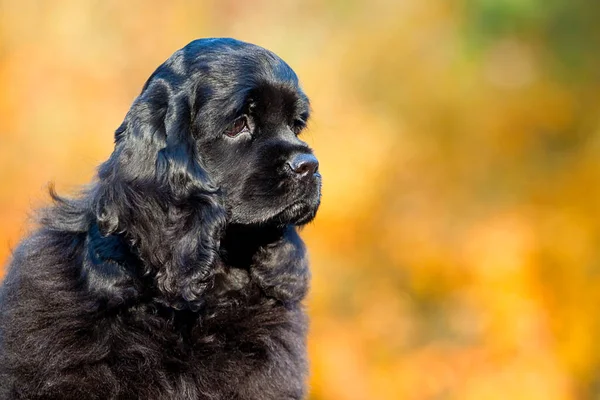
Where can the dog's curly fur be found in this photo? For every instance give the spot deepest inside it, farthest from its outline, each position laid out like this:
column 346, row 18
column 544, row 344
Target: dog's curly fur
column 179, row 273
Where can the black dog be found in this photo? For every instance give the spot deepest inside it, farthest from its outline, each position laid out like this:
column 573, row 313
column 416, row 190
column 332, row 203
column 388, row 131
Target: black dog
column 179, row 274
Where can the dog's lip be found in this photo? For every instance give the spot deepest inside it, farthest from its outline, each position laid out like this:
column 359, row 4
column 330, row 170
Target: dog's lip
column 298, row 212
column 297, row 206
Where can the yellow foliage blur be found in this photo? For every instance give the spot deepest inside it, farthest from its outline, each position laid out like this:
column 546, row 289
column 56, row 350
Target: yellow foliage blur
column 457, row 251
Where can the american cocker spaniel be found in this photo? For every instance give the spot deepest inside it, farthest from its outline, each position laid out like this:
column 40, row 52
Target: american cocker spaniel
column 179, row 273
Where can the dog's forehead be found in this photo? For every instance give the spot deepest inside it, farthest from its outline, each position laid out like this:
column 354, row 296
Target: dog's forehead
column 225, row 60
column 227, row 75
column 234, row 73
column 279, row 98
column 224, row 56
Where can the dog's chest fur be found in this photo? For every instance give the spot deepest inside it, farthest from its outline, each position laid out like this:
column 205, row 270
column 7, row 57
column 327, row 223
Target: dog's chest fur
column 240, row 345
column 230, row 351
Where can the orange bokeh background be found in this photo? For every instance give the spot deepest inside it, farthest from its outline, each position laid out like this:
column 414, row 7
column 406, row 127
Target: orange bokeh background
column 457, row 251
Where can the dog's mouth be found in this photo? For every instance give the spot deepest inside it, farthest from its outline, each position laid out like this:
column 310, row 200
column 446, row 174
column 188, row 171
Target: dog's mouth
column 303, row 209
column 295, row 204
column 298, row 213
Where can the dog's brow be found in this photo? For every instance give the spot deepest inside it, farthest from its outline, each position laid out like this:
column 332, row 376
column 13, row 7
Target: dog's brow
column 304, row 116
column 302, row 107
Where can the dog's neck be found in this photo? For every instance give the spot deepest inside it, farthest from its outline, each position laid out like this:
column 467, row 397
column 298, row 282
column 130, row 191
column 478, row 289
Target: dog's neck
column 238, row 240
column 111, row 262
column 241, row 242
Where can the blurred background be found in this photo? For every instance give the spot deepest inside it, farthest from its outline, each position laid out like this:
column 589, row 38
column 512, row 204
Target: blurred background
column 457, row 251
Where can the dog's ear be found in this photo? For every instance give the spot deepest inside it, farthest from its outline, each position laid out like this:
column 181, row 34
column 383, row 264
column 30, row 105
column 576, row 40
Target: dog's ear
column 155, row 191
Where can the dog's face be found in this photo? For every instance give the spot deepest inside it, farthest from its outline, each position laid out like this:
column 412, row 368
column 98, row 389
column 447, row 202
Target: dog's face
column 267, row 174
column 247, row 131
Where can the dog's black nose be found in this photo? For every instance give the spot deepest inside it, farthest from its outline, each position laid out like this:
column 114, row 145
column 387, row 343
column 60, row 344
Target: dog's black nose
column 304, row 165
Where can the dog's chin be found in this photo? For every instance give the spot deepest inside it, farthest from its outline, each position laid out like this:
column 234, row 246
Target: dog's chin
column 299, row 213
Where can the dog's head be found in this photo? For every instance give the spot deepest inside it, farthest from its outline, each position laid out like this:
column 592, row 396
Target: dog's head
column 212, row 140
column 226, row 116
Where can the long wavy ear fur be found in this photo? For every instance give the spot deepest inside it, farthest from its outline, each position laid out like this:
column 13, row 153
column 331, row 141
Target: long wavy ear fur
column 155, row 192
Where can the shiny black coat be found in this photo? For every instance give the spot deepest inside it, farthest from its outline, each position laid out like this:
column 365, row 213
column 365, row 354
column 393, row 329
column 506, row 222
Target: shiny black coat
column 179, row 273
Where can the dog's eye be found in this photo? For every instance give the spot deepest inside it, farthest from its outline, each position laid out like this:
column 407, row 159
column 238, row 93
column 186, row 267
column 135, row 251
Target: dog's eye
column 298, row 125
column 240, row 125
